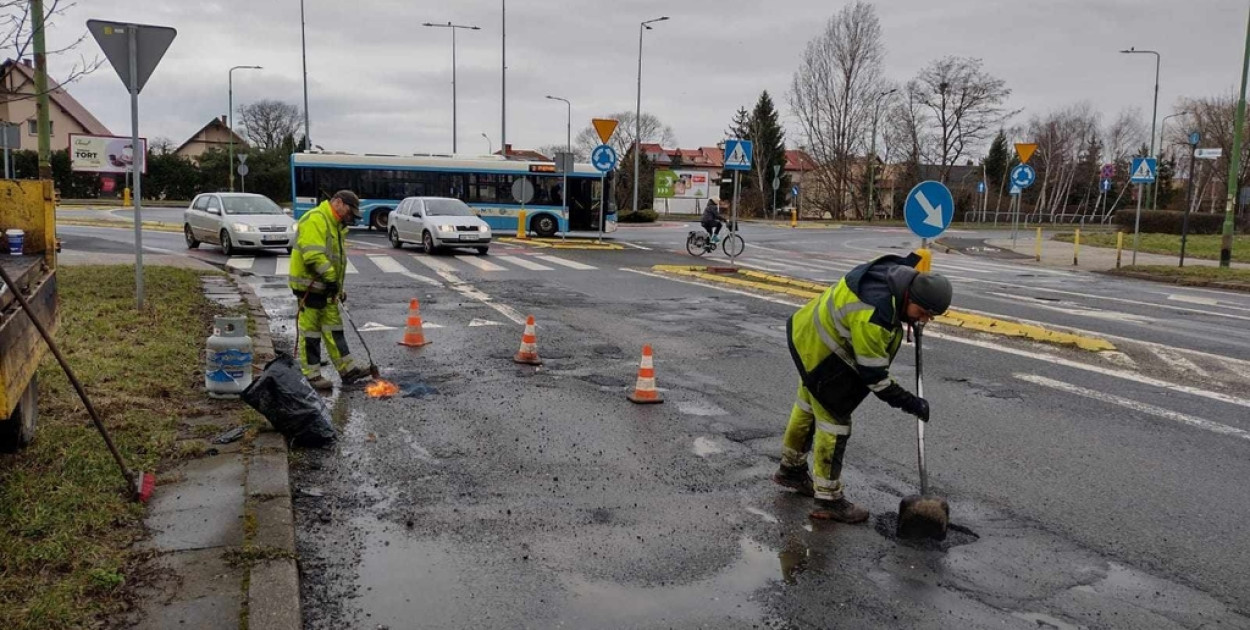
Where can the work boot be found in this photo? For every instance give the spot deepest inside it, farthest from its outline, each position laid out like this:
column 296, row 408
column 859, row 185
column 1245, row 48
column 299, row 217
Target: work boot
column 353, row 374
column 841, row 510
column 795, row 478
column 321, row 383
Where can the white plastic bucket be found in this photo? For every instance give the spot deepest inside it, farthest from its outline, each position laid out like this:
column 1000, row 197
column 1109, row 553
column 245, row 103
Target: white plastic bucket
column 17, row 240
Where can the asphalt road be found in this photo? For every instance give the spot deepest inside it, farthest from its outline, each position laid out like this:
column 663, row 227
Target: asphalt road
column 1090, row 490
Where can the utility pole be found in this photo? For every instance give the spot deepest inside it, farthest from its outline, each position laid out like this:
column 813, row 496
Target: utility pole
column 503, row 79
column 41, row 89
column 303, row 49
column 1189, row 191
column 230, row 119
column 1154, row 112
column 454, row 28
column 1234, row 164
column 638, row 110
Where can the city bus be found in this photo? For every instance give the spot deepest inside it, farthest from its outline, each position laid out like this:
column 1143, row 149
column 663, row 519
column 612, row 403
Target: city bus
column 484, row 183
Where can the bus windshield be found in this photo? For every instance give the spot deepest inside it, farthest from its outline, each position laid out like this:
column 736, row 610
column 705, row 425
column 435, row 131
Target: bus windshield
column 447, row 208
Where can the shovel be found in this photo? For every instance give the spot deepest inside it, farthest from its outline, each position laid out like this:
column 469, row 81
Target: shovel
column 922, row 515
column 373, row 368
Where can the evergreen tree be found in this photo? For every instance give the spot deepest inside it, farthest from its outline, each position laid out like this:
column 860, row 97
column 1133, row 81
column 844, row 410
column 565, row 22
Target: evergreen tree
column 739, row 128
column 769, row 151
column 1085, row 186
column 997, row 160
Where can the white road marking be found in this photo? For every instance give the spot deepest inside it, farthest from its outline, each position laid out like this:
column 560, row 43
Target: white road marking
column 1179, row 362
column 521, row 262
column 1128, row 376
column 436, row 265
column 483, row 322
column 1181, row 309
column 480, row 263
column 634, row 245
column 446, row 272
column 1194, row 421
column 1085, row 311
column 350, row 267
column 282, row 267
column 1193, row 299
column 390, row 265
column 240, row 263
column 572, row 264
column 374, row 327
column 365, row 244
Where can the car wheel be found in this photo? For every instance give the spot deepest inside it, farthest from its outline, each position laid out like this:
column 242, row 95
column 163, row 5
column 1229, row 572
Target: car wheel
column 482, row 251
column 380, row 219
column 289, row 250
column 395, row 242
column 190, row 236
column 427, row 243
column 545, row 225
column 227, row 247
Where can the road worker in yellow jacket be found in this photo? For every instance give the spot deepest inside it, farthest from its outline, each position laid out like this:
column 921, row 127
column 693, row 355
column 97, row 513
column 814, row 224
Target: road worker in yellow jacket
column 318, row 268
column 842, row 343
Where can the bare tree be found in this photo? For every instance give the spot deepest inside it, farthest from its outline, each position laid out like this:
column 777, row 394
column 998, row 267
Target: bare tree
column 965, row 104
column 832, row 95
column 161, row 145
column 1061, row 138
column 17, row 36
column 909, row 141
column 1121, row 138
column 269, row 123
column 653, row 130
column 1213, row 118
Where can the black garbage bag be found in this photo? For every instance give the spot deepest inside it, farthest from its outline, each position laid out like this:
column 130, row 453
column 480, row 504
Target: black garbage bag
column 289, row 402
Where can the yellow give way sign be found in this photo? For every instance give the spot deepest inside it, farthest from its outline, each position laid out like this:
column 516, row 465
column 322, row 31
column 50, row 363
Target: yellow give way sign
column 1025, row 151
column 604, row 127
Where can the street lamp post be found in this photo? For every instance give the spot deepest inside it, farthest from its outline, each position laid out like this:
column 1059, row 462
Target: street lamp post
column 568, row 130
column 872, row 153
column 230, row 118
column 490, row 148
column 1163, row 137
column 638, row 109
column 303, row 51
column 1153, row 114
column 454, row 28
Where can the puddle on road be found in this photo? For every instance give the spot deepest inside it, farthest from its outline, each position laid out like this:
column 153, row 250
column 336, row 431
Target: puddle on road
column 956, row 535
column 402, row 579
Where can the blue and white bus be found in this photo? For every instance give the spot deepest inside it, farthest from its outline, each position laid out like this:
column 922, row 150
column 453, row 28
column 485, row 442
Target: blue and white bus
column 484, row 183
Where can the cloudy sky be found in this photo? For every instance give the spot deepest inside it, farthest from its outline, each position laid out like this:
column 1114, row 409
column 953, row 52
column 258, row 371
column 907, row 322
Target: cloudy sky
column 379, row 82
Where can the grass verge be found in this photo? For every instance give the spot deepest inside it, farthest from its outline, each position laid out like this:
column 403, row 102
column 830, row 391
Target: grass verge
column 1192, row 275
column 66, row 525
column 1197, row 245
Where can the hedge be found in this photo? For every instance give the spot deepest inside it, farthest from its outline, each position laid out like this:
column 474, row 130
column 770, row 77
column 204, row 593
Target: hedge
column 642, row 216
column 1170, row 221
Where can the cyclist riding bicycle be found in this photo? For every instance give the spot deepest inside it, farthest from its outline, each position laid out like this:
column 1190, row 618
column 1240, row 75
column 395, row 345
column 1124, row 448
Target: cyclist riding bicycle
column 713, row 219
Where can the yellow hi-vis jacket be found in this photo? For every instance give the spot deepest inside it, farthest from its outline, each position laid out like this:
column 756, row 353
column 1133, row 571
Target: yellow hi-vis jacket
column 843, row 341
column 318, row 257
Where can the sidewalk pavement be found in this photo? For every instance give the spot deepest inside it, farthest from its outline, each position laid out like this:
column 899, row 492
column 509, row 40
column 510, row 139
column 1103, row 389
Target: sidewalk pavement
column 1059, row 254
column 222, row 527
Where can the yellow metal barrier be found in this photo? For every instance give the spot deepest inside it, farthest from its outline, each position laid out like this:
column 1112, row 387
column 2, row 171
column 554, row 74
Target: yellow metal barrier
column 1076, row 248
column 1037, row 249
column 1119, row 247
column 522, row 232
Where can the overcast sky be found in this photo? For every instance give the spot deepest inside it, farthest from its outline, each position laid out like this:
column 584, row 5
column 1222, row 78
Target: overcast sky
column 381, row 83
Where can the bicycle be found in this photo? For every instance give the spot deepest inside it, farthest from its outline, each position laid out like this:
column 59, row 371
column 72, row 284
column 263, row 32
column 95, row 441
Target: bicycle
column 699, row 243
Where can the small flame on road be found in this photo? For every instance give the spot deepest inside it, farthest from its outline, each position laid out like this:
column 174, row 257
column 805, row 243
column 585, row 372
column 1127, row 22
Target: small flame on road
column 381, row 389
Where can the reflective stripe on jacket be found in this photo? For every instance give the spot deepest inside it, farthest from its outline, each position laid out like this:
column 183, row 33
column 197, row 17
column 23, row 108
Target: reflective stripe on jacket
column 318, row 257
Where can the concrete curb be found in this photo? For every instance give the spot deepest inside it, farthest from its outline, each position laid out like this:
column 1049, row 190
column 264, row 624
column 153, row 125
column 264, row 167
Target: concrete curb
column 1181, row 281
column 273, row 588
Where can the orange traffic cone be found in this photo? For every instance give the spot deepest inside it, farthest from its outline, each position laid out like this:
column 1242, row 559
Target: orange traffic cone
column 528, row 354
column 413, row 335
column 644, row 390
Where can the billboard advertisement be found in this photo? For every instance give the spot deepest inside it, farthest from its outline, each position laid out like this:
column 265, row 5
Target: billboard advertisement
column 681, row 184
column 103, row 154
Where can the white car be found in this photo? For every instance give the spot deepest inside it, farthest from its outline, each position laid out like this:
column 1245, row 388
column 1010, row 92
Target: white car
column 237, row 221
column 437, row 222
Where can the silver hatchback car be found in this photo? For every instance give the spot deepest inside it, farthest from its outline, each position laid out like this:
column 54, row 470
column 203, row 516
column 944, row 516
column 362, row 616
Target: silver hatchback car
column 237, row 221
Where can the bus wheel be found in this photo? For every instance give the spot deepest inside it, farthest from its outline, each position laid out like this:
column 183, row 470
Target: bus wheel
column 380, row 219
column 545, row 225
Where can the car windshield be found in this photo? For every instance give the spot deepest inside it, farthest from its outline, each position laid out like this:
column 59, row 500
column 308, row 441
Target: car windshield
column 447, row 208
column 250, row 205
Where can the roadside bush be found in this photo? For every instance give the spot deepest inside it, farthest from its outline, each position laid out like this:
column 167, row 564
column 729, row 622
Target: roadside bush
column 1169, row 221
column 645, row 215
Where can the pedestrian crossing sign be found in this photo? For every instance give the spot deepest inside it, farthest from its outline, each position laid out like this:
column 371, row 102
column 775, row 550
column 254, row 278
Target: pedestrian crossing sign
column 738, row 155
column 1143, row 171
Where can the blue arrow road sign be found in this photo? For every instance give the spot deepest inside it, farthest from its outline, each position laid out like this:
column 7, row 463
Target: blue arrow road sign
column 1143, row 171
column 794, row 191
column 1106, row 185
column 980, row 188
column 738, row 155
column 603, row 158
column 929, row 209
column 1023, row 176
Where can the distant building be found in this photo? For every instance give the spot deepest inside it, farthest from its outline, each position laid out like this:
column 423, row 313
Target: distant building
column 522, row 155
column 65, row 114
column 215, row 135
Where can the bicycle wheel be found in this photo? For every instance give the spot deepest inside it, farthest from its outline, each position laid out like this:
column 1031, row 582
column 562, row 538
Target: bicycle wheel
column 733, row 245
column 695, row 244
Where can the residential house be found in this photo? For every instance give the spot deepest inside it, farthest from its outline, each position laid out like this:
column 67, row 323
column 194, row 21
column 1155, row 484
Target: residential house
column 65, row 114
column 214, row 135
column 522, row 155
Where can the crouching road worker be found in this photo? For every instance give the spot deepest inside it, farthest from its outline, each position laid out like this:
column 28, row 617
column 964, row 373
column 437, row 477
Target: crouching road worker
column 842, row 344
column 318, row 266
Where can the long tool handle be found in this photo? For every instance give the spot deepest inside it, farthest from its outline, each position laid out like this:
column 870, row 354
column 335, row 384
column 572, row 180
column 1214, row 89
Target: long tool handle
column 131, row 479
column 352, row 323
column 918, row 330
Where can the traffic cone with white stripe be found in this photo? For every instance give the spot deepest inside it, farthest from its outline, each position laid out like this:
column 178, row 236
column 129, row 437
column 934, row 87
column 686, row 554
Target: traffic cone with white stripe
column 528, row 354
column 645, row 392
column 414, row 337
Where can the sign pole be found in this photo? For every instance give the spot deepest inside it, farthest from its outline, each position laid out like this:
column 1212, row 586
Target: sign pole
column 1189, row 190
column 5, row 129
column 603, row 202
column 1137, row 224
column 733, row 221
column 1015, row 218
column 133, row 34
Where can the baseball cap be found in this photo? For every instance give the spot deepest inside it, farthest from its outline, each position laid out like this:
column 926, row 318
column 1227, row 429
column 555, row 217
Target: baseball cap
column 348, row 197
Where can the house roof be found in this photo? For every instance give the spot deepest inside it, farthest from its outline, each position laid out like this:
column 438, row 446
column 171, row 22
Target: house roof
column 799, row 160
column 959, row 175
column 216, row 123
column 58, row 96
column 525, row 155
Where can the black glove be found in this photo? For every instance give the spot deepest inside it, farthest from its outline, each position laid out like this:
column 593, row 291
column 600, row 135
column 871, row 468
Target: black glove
column 899, row 398
column 332, row 290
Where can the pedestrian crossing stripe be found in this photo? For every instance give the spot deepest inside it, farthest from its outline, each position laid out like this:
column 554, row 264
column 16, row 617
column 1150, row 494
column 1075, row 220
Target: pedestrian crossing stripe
column 572, row 264
column 521, row 262
column 480, row 263
column 374, row 326
column 241, row 263
column 283, row 266
column 386, row 264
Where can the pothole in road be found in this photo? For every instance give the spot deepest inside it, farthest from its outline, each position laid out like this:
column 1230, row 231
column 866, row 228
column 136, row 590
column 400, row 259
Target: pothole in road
column 986, row 388
column 956, row 535
column 603, row 380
